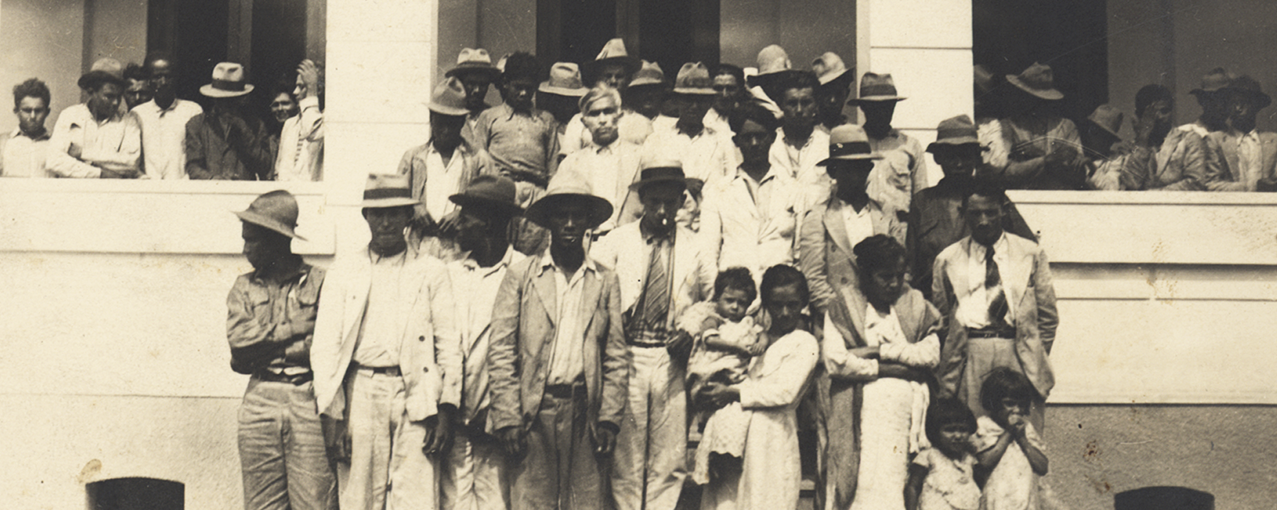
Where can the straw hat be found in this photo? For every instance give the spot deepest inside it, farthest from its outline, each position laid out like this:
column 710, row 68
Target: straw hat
column 693, row 79
column 276, row 210
column 1214, row 81
column 876, row 87
column 773, row 64
column 830, row 67
column 565, row 80
column 105, row 70
column 648, row 75
column 849, row 142
column 1107, row 118
column 228, row 81
column 449, row 98
column 474, row 61
column 613, row 52
column 568, row 186
column 387, row 190
column 1037, row 80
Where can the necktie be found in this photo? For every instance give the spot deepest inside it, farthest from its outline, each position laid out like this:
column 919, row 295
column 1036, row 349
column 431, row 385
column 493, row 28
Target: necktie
column 993, row 285
column 656, row 291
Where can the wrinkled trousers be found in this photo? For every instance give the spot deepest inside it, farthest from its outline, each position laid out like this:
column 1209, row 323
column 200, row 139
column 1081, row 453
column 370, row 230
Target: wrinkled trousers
column 281, row 449
column 559, row 470
column 651, row 449
column 387, row 469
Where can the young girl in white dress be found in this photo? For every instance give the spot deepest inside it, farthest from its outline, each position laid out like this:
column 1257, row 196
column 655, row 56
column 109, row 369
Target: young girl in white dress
column 942, row 477
column 1008, row 448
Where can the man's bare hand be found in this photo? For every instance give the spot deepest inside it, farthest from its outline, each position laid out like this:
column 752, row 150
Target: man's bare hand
column 512, row 441
column 438, row 433
column 308, row 73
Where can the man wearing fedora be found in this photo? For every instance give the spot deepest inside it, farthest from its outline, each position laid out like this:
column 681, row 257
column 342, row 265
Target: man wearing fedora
column 387, row 362
column 830, row 229
column 475, row 71
column 224, row 143
column 613, row 68
column 441, row 168
column 1213, row 99
column 163, row 120
column 560, row 95
column 1044, row 150
column 1162, row 158
column 751, row 217
column 95, row 139
column 301, row 140
column 609, row 163
column 558, row 363
column 270, row 326
column 1103, row 148
column 662, row 272
column 935, row 213
column 23, row 150
column 901, row 170
column 642, row 101
column 835, row 85
column 1242, row 158
column 773, row 64
column 475, row 477
column 799, row 146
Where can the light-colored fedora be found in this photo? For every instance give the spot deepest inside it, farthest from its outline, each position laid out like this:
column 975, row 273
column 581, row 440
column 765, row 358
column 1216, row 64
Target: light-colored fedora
column 849, row 142
column 830, row 67
column 565, row 80
column 1038, row 80
column 693, row 79
column 474, row 61
column 388, row 190
column 449, row 98
column 228, row 81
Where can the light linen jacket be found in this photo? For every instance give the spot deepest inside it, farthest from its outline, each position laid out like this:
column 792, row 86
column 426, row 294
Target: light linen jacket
column 738, row 232
column 429, row 352
column 825, row 250
column 1223, row 167
column 1029, row 290
column 524, row 319
column 625, row 252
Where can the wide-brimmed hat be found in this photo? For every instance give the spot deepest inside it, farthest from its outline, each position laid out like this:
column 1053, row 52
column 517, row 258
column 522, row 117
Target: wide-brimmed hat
column 1247, row 86
column 1107, row 118
column 613, row 52
column 849, row 142
column 693, row 79
column 1213, row 81
column 388, row 190
column 228, row 81
column 489, row 192
column 104, row 70
column 773, row 65
column 829, row 68
column 449, row 98
column 474, row 61
column 569, row 186
column 955, row 131
column 660, row 170
column 276, row 210
column 1037, row 80
column 649, row 75
column 876, row 87
column 565, row 80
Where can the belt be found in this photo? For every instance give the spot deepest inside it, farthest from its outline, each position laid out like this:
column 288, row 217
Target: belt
column 392, row 371
column 991, row 333
column 647, row 338
column 298, row 379
column 565, row 390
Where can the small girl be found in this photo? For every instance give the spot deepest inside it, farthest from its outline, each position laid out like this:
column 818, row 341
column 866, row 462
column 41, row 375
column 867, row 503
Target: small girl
column 1009, row 449
column 725, row 340
column 942, row 477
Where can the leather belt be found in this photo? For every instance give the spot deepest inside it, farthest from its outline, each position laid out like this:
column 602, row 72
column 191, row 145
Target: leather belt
column 391, row 371
column 991, row 333
column 651, row 339
column 298, row 379
column 565, row 391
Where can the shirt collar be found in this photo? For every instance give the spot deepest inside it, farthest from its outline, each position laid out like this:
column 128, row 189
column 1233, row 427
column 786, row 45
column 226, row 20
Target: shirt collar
column 17, row 132
column 772, row 173
column 547, row 262
column 472, row 265
column 509, row 112
column 977, row 250
column 396, row 259
column 300, row 269
column 649, row 236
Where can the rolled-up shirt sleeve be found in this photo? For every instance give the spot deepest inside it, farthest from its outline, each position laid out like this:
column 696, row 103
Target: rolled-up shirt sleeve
column 840, row 362
column 923, row 354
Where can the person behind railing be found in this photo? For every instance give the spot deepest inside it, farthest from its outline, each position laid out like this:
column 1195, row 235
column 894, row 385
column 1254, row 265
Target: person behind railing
column 224, row 143
column 1043, row 149
column 1213, row 99
column 22, row 151
column 301, row 141
column 139, row 89
column 1242, row 158
column 1103, row 148
column 95, row 139
column 1162, row 158
column 164, row 120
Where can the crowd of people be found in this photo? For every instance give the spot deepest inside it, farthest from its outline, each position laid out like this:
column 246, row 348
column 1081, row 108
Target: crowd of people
column 564, row 293
column 132, row 125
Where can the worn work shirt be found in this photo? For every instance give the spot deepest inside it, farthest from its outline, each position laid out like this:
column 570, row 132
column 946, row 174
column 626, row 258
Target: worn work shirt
column 474, row 320
column 378, row 344
column 301, row 144
column 215, row 151
column 524, row 144
column 800, row 157
column 22, row 155
column 567, row 358
column 753, row 223
column 81, row 145
column 270, row 323
column 900, row 173
column 164, row 137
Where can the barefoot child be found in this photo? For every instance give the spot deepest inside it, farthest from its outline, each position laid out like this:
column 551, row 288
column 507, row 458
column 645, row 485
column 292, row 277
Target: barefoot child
column 941, row 477
column 1009, row 448
column 725, row 340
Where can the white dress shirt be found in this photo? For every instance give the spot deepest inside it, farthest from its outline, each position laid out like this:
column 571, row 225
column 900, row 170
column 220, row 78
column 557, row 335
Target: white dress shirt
column 442, row 181
column 81, row 145
column 378, row 343
column 23, row 156
column 567, row 359
column 164, row 137
column 973, row 311
column 301, row 144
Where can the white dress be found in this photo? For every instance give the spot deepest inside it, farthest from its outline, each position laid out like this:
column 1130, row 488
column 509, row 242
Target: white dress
column 1012, row 485
column 950, row 483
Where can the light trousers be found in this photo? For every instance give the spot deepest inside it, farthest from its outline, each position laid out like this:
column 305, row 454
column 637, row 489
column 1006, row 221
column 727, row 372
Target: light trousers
column 651, row 450
column 475, row 477
column 388, row 469
column 281, row 449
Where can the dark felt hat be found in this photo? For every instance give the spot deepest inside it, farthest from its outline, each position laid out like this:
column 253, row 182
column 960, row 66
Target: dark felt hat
column 658, row 170
column 489, row 192
column 276, row 210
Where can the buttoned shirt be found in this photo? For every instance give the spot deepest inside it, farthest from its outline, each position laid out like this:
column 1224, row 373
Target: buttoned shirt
column 752, row 223
column 22, row 155
column 378, row 343
column 442, row 181
column 1249, row 159
column 472, row 120
column 164, row 137
column 474, row 318
column 800, row 157
column 973, row 312
column 81, row 146
column 301, row 144
column 717, row 122
column 707, row 156
column 896, row 177
column 567, row 359
column 520, row 143
column 270, row 321
column 859, row 224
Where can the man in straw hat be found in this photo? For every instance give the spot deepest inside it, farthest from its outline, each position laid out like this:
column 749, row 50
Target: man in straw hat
column 902, row 169
column 270, row 326
column 616, row 70
column 613, row 66
column 224, row 143
column 95, row 139
column 475, row 71
column 1162, row 158
column 608, row 162
column 558, row 361
column 387, row 362
column 750, row 218
column 560, row 95
column 799, row 146
column 662, row 273
column 705, row 154
column 1213, row 99
column 1242, row 158
column 830, row 229
column 441, row 167
column 935, row 216
column 1044, row 150
column 475, row 477
column 835, row 85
